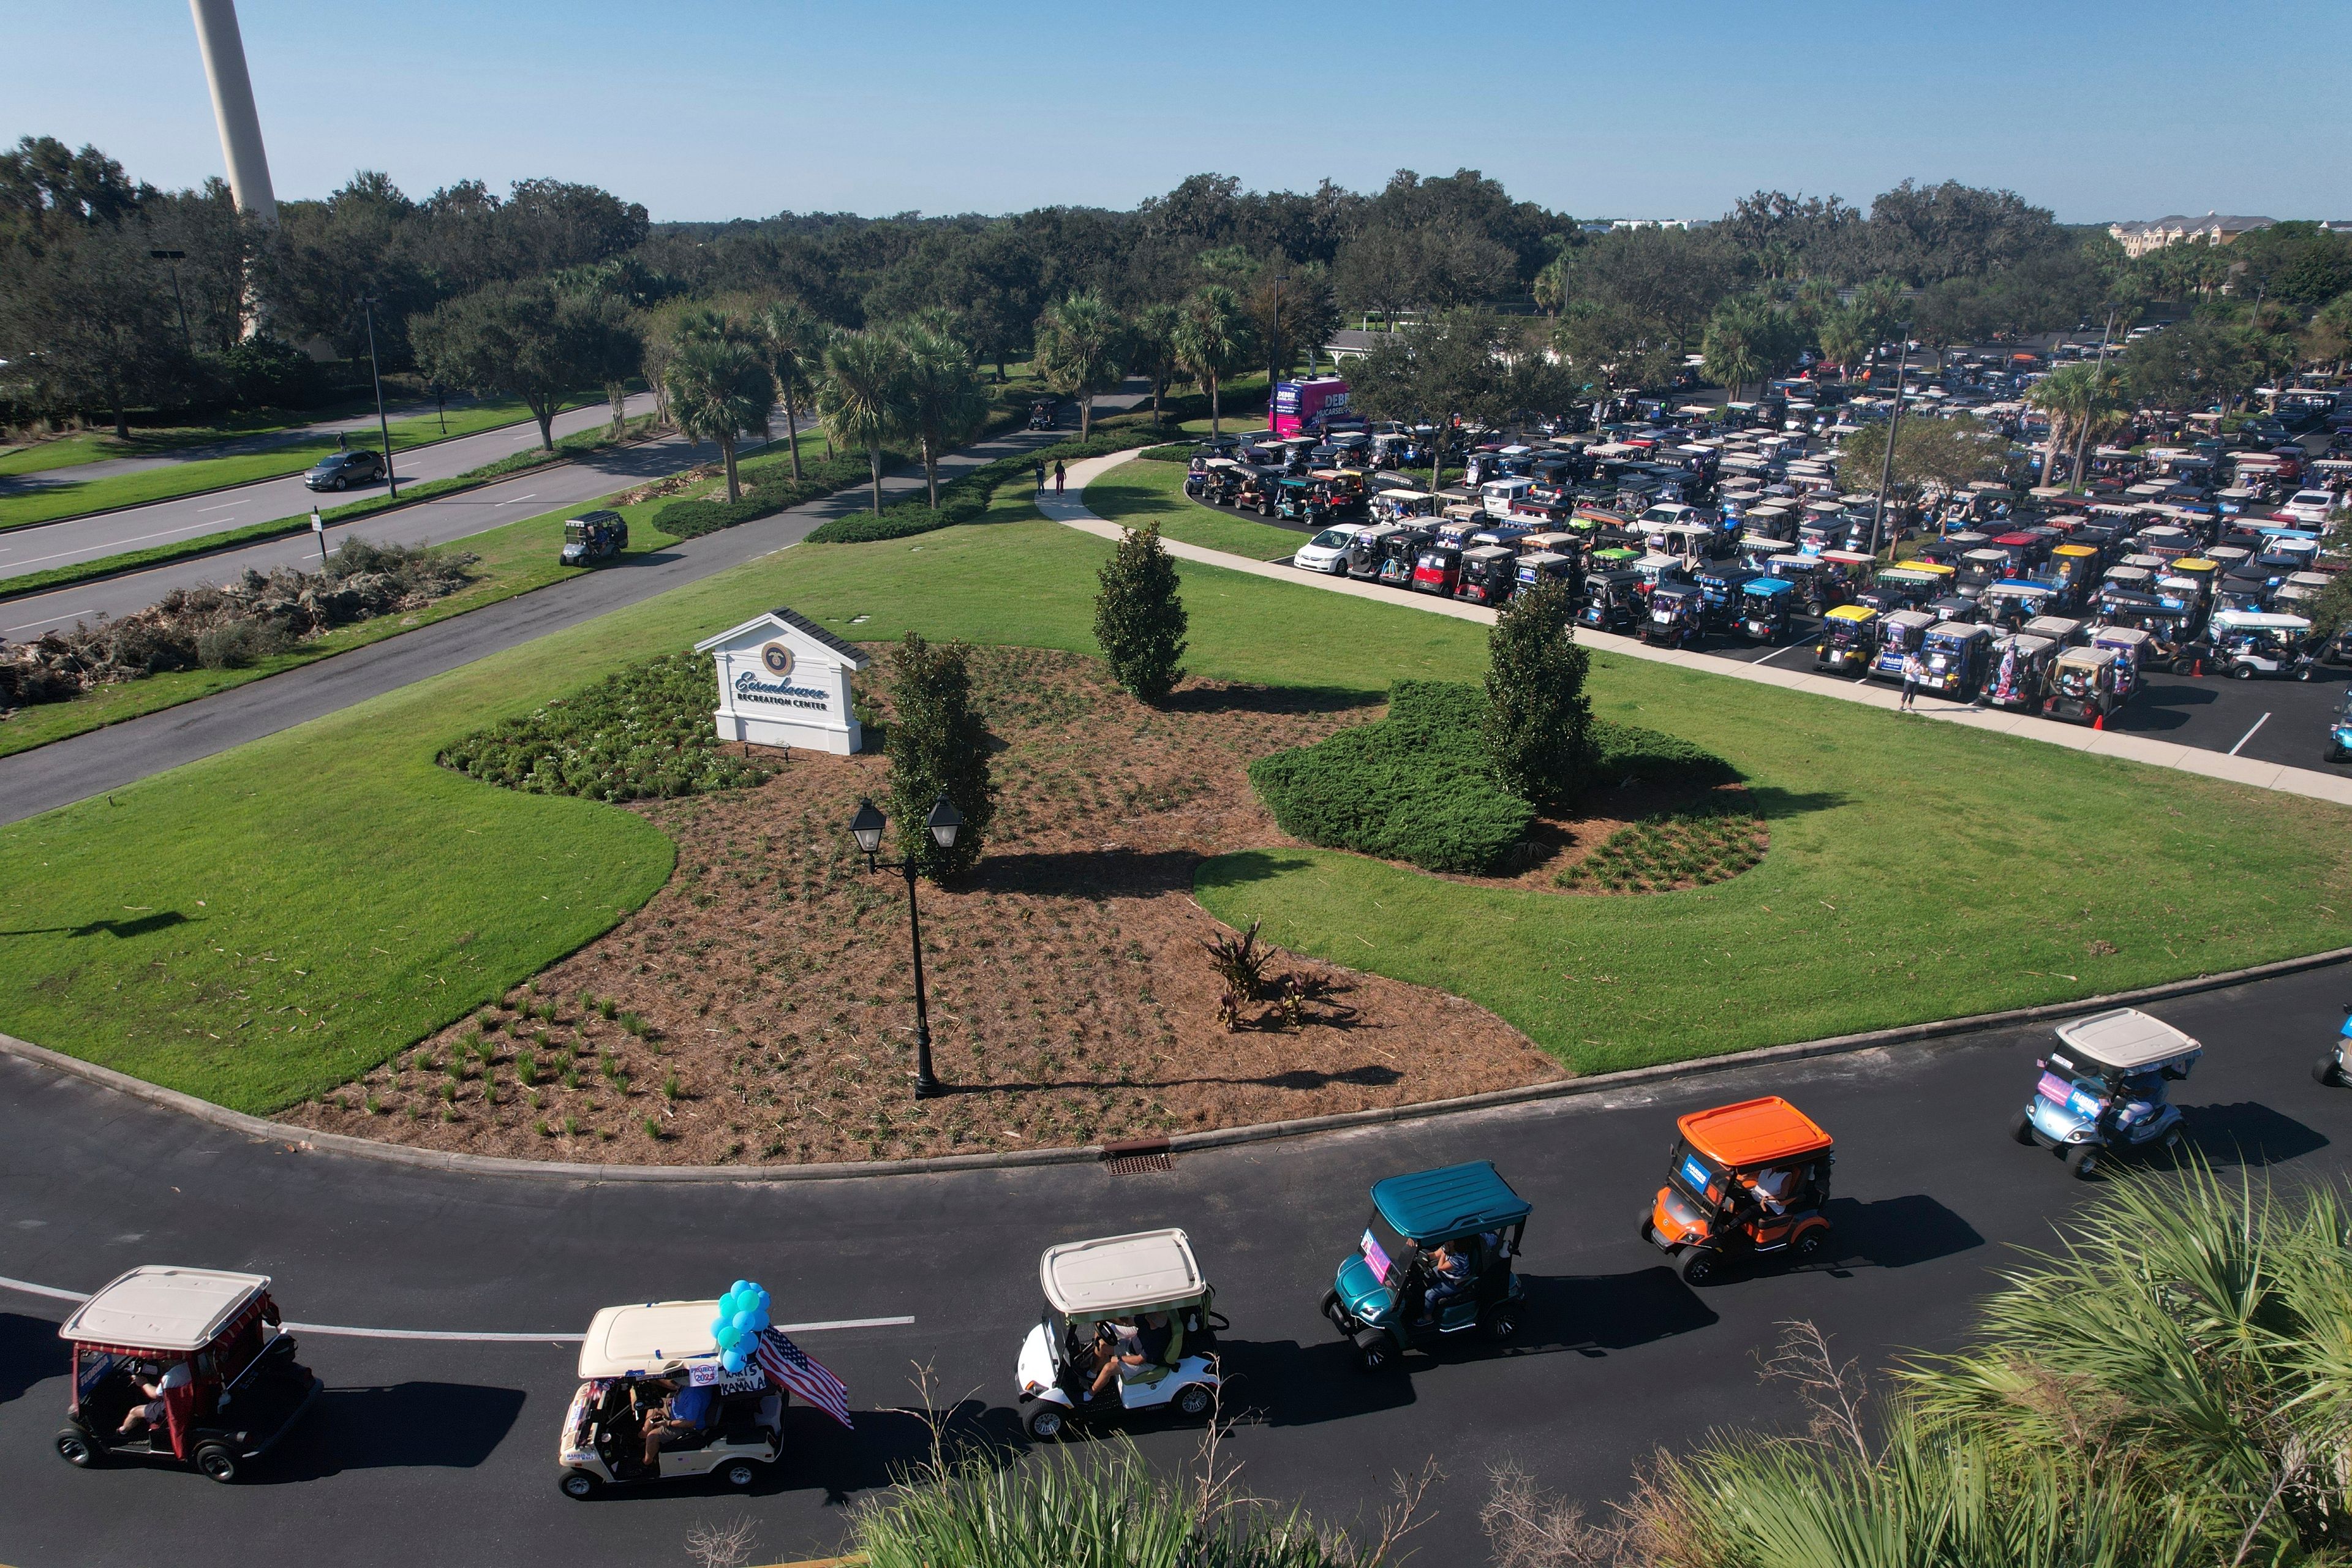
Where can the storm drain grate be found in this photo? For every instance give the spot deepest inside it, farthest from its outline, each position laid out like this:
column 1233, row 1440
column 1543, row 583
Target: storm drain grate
column 1136, row 1156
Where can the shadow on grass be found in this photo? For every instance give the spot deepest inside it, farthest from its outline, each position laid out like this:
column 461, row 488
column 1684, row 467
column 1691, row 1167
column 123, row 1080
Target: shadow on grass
column 1780, row 804
column 1271, row 700
column 161, row 921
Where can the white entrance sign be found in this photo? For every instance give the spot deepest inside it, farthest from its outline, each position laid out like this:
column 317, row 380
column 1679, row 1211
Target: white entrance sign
column 784, row 681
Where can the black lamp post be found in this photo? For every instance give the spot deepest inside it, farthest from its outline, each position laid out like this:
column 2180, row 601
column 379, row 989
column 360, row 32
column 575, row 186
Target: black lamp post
column 172, row 259
column 944, row 822
column 367, row 303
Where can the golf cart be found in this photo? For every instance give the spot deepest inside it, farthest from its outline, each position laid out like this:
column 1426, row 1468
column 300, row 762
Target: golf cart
column 2020, row 671
column 1489, row 575
column 1955, row 654
column 630, row 1357
column 1043, row 415
column 1382, row 1295
column 2084, row 685
column 227, row 1387
column 1764, row 604
column 1742, row 1181
column 592, row 536
column 1092, row 1288
column 2329, row 1068
column 1612, row 599
column 2247, row 644
column 1901, row 633
column 2102, row 1089
column 1676, row 610
column 1849, row 638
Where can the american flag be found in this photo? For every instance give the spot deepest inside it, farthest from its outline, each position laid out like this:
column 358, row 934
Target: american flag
column 786, row 1363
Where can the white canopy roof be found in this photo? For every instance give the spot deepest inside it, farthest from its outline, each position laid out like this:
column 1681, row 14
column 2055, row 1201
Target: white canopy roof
column 159, row 1308
column 2126, row 1038
column 623, row 1341
column 1120, row 1274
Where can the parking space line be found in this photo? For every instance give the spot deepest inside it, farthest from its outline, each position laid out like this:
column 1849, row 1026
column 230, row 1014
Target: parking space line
column 2250, row 734
column 1776, row 653
column 462, row 1335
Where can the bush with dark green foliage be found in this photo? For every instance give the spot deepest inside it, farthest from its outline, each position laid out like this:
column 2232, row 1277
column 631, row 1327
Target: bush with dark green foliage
column 1139, row 622
column 642, row 732
column 1711, row 844
column 938, row 744
column 1419, row 784
column 1173, row 452
column 1537, row 723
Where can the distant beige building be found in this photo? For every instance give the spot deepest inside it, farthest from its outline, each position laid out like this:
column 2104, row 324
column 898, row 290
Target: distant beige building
column 2213, row 229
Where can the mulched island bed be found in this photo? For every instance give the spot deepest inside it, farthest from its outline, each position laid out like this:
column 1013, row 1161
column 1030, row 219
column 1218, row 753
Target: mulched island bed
column 758, row 1009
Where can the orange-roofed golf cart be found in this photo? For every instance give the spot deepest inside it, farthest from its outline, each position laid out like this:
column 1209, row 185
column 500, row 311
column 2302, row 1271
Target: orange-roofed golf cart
column 1743, row 1181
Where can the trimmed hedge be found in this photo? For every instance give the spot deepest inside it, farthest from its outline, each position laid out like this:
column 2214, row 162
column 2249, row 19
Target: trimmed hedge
column 1417, row 785
column 1175, row 452
column 966, row 498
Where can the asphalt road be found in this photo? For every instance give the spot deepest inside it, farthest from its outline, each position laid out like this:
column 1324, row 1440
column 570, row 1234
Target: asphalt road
column 87, row 764
column 48, row 545
column 444, row 1452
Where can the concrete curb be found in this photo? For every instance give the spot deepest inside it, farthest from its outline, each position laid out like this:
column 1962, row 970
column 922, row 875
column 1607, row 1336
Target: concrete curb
column 303, row 1141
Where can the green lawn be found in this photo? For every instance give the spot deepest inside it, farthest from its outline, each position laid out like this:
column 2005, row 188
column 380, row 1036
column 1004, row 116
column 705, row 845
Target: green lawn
column 259, row 926
column 54, row 502
column 1143, row 490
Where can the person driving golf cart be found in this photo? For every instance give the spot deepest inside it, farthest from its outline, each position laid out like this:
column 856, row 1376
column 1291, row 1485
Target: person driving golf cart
column 1434, row 1259
column 2102, row 1089
column 1742, row 1180
column 1125, row 1325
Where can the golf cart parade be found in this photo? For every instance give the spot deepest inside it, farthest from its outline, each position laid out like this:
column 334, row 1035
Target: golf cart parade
column 2193, row 550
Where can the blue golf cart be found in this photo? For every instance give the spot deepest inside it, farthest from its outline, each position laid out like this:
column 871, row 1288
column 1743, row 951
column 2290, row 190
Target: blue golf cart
column 2102, row 1090
column 1394, row 1292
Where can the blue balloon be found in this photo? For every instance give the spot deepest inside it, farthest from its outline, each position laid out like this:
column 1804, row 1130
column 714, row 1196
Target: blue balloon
column 718, row 1326
column 760, row 1320
column 743, row 1321
column 741, row 1287
column 733, row 1362
column 765, row 1302
column 727, row 1337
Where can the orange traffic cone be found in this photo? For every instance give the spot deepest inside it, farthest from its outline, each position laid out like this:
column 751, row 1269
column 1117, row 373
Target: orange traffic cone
column 2098, row 720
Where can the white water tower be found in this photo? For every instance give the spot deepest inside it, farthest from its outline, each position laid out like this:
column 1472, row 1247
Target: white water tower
column 240, row 124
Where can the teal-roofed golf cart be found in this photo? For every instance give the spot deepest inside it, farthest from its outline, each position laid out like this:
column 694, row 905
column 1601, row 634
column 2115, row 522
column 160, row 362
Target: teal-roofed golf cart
column 1392, row 1292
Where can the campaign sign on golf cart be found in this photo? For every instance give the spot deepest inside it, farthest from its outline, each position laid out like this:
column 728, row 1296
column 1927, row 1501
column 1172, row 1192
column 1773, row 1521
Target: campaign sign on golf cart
column 784, row 681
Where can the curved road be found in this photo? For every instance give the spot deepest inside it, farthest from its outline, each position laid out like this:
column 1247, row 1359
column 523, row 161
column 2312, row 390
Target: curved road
column 442, row 1451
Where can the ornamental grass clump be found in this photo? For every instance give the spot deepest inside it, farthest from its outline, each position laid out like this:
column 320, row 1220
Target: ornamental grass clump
column 640, row 733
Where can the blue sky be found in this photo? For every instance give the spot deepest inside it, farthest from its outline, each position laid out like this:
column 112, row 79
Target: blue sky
column 708, row 109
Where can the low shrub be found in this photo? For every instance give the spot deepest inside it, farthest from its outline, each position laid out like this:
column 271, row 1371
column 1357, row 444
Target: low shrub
column 1417, row 785
column 641, row 732
column 966, row 498
column 1684, row 849
column 1175, row 452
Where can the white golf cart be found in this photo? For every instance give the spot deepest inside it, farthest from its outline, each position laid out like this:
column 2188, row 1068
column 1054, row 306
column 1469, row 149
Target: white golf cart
column 1147, row 1280
column 629, row 1362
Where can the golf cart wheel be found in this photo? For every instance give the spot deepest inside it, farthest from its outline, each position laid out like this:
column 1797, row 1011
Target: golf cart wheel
column 2324, row 1071
column 217, row 1461
column 580, row 1486
column 2082, row 1162
column 1374, row 1352
column 2020, row 1127
column 2243, row 673
column 1500, row 1324
column 1194, row 1401
column 2303, row 673
column 740, row 1474
column 1808, row 1246
column 2184, row 667
column 1698, row 1266
column 2173, row 1141
column 78, row 1448
column 1047, row 1421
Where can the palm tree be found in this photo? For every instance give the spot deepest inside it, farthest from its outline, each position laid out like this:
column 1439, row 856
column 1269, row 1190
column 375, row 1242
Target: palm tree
column 1733, row 348
column 794, row 341
column 1847, row 336
column 1081, row 351
column 864, row 400
column 1212, row 339
column 1152, row 349
column 719, row 389
column 2076, row 397
column 945, row 401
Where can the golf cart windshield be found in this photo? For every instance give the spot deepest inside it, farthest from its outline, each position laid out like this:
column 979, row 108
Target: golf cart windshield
column 1694, row 1175
column 1388, row 1252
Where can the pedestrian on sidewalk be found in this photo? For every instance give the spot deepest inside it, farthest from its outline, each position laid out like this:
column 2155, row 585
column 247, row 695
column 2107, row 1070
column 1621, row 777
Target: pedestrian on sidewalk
column 1040, row 466
column 1058, row 476
column 1911, row 672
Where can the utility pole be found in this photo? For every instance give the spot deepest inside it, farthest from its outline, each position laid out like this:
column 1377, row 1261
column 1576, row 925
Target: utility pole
column 1894, row 425
column 172, row 259
column 376, row 375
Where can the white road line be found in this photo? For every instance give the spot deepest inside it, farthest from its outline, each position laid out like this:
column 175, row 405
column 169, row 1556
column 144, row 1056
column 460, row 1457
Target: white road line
column 533, row 495
column 94, row 551
column 223, row 507
column 2250, row 734
column 464, row 1336
column 47, row 621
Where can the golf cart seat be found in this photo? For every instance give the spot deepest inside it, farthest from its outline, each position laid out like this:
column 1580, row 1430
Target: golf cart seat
column 749, row 1419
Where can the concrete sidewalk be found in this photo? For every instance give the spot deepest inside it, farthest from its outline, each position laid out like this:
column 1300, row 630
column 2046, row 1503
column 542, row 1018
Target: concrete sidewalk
column 1071, row 510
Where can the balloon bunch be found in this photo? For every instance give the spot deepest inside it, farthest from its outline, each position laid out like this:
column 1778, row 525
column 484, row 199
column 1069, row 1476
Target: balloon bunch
column 743, row 1314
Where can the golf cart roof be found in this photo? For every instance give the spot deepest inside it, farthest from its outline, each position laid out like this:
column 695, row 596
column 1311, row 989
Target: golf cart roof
column 2248, row 621
column 1753, row 1132
column 639, row 1341
column 2125, row 1038
column 2027, row 643
column 1430, row 1205
column 159, row 1308
column 1851, row 613
column 1151, row 1269
column 2091, row 657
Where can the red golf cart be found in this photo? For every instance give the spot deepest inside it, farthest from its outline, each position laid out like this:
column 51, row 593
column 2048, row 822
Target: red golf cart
column 194, row 1354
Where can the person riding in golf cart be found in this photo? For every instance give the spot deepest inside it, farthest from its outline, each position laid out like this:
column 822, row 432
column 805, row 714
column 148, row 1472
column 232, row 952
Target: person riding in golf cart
column 1434, row 1260
column 182, row 1365
column 1743, row 1180
column 2102, row 1090
column 1127, row 1329
column 657, row 1402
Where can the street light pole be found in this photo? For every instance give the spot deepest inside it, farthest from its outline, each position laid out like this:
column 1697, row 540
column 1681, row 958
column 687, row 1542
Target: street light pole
column 171, row 261
column 375, row 373
column 943, row 824
column 1894, row 425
